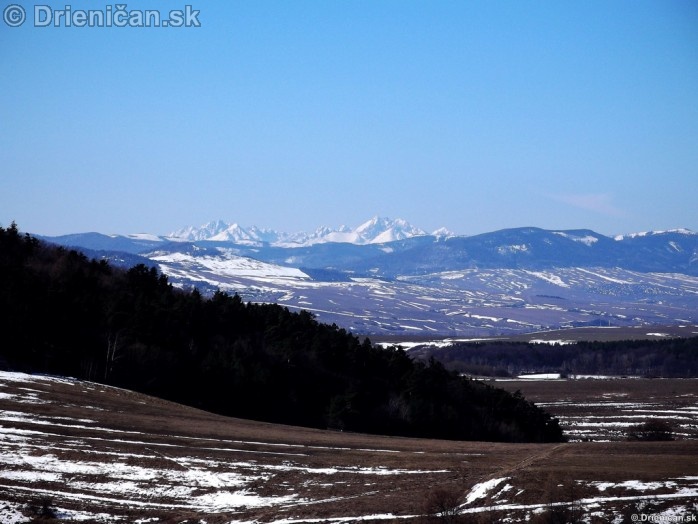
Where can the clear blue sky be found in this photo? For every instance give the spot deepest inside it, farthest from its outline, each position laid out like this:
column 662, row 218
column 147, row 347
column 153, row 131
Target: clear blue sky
column 293, row 114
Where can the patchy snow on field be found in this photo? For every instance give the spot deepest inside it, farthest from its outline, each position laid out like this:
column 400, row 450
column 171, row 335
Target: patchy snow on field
column 11, row 513
column 481, row 489
column 678, row 488
column 95, row 470
column 634, row 485
column 613, row 418
column 676, row 497
column 80, row 460
column 541, row 376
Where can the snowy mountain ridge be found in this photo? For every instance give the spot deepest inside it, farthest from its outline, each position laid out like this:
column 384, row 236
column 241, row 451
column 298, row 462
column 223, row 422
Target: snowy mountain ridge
column 377, row 230
column 679, row 231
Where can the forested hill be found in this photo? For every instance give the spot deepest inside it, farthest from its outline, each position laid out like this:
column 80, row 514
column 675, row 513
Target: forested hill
column 63, row 313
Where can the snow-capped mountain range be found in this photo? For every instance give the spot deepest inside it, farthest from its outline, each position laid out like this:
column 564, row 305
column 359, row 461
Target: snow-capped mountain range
column 377, row 230
column 389, row 277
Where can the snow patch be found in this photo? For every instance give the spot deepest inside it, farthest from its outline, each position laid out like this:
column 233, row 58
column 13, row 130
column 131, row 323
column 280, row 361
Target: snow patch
column 514, row 248
column 587, row 240
column 559, row 342
column 481, row 489
column 548, row 277
column 540, row 376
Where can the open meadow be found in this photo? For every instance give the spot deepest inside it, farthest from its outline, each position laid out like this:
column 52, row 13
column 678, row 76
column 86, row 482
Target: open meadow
column 83, row 452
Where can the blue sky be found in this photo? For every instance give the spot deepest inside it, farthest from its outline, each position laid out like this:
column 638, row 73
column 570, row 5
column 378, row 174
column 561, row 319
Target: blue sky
column 471, row 115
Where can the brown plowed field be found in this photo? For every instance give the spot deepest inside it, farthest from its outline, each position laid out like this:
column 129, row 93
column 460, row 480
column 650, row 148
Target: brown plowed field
column 609, row 409
column 85, row 452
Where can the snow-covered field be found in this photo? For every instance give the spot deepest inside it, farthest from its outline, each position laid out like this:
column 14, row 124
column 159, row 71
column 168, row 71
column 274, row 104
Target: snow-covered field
column 84, row 452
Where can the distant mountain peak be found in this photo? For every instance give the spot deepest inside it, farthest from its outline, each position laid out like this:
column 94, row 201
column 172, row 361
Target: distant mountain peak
column 204, row 232
column 376, row 230
column 379, row 230
column 443, row 232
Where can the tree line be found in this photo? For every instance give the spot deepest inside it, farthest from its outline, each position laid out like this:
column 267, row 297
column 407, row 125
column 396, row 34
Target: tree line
column 675, row 357
column 64, row 313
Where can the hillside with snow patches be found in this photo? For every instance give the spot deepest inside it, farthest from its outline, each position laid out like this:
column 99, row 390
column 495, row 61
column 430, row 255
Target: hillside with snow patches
column 85, row 452
column 388, row 277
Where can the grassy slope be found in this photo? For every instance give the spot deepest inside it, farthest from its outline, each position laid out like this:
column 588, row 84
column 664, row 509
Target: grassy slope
column 94, row 449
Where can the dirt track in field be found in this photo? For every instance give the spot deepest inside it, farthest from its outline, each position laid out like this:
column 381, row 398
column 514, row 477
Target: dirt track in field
column 102, row 454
